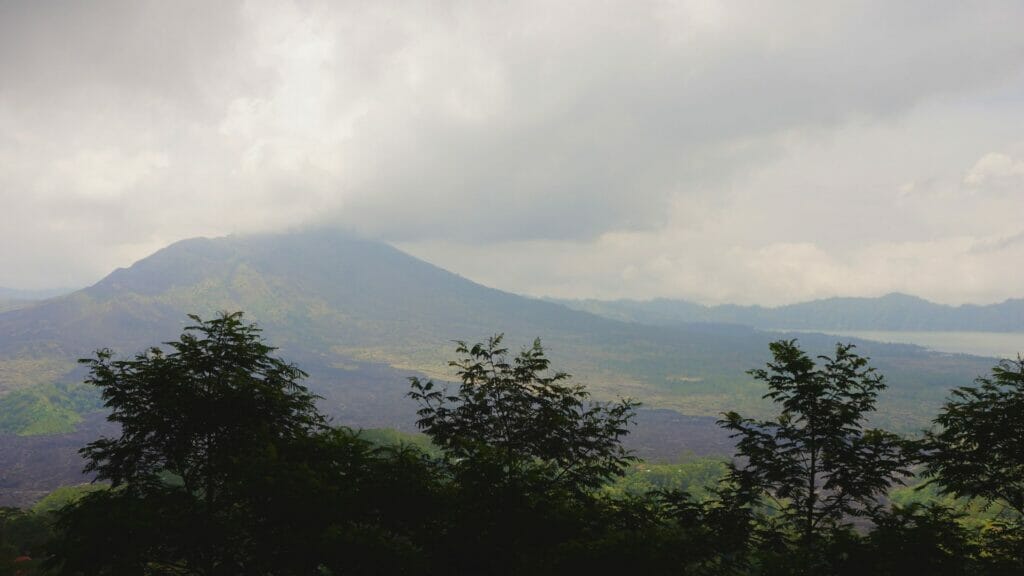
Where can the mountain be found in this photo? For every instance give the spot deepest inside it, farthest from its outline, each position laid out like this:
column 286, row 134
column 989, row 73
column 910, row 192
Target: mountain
column 361, row 316
column 343, row 306
column 889, row 312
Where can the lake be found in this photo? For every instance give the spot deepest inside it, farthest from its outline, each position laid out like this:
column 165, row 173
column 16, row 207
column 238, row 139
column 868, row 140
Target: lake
column 995, row 344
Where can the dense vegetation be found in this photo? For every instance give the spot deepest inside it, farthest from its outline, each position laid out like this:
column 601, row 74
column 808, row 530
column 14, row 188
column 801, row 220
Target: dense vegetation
column 223, row 465
column 45, row 409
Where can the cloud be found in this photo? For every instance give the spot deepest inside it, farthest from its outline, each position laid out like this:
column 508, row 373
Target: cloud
column 106, row 174
column 951, row 270
column 579, row 127
column 584, row 125
column 826, row 216
column 995, row 169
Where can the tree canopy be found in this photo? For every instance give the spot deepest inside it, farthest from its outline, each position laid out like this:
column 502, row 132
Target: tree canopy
column 217, row 397
column 223, row 465
column 817, row 461
column 977, row 448
column 516, row 413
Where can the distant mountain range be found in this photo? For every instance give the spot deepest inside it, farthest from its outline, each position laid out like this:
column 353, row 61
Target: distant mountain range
column 890, row 312
column 361, row 316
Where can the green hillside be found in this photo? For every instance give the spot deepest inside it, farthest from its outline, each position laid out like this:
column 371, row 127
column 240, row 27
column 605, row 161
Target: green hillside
column 46, row 409
column 361, row 315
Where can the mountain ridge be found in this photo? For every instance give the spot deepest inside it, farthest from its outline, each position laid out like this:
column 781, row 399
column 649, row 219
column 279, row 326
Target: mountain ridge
column 893, row 311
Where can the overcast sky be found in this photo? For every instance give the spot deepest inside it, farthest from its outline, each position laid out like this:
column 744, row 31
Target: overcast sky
column 752, row 152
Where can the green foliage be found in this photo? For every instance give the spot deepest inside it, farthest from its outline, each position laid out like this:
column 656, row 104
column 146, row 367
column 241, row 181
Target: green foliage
column 1001, row 549
column 816, row 461
column 397, row 438
column 974, row 513
column 46, row 409
column 327, row 501
column 29, row 369
column 697, row 477
column 64, row 496
column 198, row 427
column 923, row 539
column 522, row 421
column 225, row 467
column 22, row 535
column 978, row 449
column 216, row 398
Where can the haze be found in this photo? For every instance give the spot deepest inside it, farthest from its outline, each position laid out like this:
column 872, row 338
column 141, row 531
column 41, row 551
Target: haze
column 719, row 152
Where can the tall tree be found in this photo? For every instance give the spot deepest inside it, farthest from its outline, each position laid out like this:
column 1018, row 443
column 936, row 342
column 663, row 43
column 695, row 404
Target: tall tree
column 198, row 422
column 515, row 413
column 216, row 397
column 816, row 461
column 525, row 449
column 977, row 449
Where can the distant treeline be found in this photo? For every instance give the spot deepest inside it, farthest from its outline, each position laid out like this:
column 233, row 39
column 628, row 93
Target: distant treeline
column 224, row 465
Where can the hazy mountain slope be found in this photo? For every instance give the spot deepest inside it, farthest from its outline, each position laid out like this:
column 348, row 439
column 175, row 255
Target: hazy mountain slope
column 359, row 315
column 32, row 295
column 13, row 304
column 11, row 299
column 890, row 312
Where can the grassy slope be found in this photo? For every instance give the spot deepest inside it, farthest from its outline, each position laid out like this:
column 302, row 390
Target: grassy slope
column 45, row 409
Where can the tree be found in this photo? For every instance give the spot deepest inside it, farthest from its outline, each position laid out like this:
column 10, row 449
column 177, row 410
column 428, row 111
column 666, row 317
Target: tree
column 525, row 451
column 193, row 413
column 917, row 539
column 22, row 536
column 512, row 413
column 197, row 424
column 816, row 461
column 978, row 449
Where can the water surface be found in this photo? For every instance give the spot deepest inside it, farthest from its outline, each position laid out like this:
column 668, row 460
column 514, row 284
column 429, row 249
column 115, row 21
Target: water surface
column 994, row 344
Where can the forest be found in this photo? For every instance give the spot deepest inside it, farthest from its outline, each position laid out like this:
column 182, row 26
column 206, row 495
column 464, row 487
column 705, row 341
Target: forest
column 223, row 464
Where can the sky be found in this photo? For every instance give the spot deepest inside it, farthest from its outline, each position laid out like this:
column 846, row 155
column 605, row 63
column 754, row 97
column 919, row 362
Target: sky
column 746, row 152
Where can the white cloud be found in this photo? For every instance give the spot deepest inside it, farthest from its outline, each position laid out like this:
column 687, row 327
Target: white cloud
column 714, row 150
column 106, row 174
column 829, row 214
column 995, row 169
